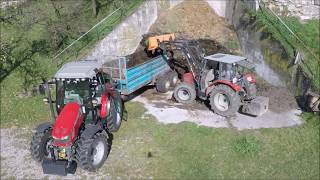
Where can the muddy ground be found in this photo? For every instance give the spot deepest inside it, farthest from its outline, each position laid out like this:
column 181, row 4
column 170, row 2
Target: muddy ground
column 206, row 27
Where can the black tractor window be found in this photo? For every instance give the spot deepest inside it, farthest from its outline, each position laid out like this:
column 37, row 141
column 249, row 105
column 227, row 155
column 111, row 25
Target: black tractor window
column 73, row 91
column 212, row 65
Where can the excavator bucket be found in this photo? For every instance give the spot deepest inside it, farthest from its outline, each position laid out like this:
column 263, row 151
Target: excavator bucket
column 153, row 41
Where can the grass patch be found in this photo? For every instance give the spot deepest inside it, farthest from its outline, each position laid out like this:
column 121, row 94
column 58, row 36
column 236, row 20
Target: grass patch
column 246, row 146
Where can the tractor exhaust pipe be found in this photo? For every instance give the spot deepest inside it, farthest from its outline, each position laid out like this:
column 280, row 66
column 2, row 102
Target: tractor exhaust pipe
column 53, row 113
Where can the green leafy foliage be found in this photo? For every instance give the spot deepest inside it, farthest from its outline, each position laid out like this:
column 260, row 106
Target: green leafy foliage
column 308, row 32
column 29, row 40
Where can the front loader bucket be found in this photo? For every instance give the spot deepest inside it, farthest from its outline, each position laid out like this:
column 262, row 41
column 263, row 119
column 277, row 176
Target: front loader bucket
column 257, row 106
column 57, row 167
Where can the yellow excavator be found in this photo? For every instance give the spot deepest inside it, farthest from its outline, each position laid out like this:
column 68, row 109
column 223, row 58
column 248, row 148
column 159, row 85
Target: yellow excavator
column 153, row 42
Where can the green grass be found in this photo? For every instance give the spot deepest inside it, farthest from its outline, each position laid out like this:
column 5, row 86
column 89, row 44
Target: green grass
column 18, row 109
column 186, row 151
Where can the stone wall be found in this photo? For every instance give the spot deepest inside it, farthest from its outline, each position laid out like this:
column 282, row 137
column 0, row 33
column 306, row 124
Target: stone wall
column 304, row 9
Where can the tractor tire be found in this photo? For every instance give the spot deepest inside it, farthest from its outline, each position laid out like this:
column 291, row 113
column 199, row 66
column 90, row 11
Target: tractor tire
column 93, row 151
column 38, row 146
column 115, row 113
column 173, row 77
column 163, row 84
column 224, row 101
column 184, row 93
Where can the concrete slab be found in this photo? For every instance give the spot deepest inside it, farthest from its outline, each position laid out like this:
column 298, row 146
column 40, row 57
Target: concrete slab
column 169, row 112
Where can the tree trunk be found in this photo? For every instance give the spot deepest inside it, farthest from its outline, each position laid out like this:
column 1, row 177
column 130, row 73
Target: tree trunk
column 94, row 7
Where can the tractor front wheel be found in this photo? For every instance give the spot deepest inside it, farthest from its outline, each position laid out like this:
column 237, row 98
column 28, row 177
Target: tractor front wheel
column 184, row 93
column 40, row 144
column 92, row 152
column 224, row 100
column 115, row 113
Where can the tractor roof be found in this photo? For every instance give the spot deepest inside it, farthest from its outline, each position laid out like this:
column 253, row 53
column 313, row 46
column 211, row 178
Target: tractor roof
column 78, row 69
column 225, row 58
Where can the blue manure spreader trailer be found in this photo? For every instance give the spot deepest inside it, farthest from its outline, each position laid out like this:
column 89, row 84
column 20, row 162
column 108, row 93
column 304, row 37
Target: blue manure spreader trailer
column 155, row 71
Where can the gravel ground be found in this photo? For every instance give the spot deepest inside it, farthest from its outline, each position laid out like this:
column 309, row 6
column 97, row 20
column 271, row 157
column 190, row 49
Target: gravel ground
column 16, row 161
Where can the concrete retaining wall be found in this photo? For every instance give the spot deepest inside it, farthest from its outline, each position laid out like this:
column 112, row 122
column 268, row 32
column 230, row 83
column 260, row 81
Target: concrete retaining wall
column 125, row 38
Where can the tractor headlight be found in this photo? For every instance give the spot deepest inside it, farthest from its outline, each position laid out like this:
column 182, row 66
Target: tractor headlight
column 234, row 80
column 65, row 138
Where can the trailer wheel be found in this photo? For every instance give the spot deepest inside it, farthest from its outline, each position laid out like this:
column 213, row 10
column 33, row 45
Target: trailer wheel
column 163, row 84
column 224, row 100
column 184, row 93
column 40, row 144
column 173, row 77
column 92, row 152
column 115, row 113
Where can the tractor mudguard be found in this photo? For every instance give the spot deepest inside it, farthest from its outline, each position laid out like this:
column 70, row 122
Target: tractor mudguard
column 188, row 78
column 235, row 87
column 105, row 106
column 91, row 130
column 42, row 127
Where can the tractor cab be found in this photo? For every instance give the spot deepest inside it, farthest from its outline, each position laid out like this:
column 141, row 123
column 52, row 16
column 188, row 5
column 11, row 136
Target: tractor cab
column 225, row 67
column 82, row 83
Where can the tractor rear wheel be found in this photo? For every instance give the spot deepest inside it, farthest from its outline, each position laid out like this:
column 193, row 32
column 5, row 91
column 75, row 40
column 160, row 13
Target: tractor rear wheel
column 92, row 152
column 224, row 100
column 40, row 144
column 184, row 93
column 163, row 83
column 115, row 113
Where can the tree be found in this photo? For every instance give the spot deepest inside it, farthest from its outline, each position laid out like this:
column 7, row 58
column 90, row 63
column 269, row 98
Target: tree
column 94, row 7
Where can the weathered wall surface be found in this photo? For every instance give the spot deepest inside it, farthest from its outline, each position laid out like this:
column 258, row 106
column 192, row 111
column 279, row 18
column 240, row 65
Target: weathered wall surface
column 304, row 9
column 125, row 38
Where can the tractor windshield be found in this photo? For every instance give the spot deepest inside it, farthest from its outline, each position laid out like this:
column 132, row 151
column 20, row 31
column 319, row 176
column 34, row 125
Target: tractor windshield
column 227, row 71
column 73, row 91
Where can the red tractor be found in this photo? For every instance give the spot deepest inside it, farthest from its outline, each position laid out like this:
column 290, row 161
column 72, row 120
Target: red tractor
column 222, row 79
column 86, row 110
